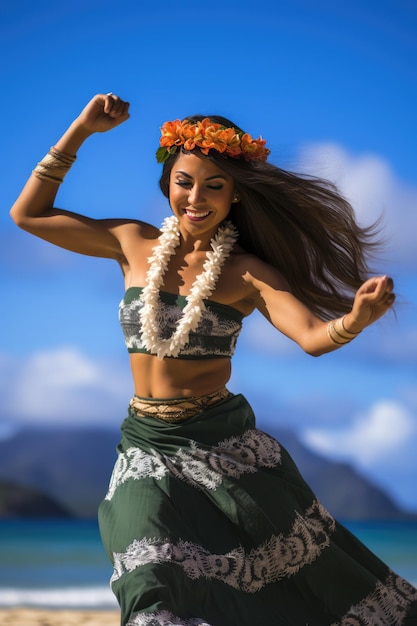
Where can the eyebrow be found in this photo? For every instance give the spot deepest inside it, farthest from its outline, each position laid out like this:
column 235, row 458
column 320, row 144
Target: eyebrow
column 208, row 178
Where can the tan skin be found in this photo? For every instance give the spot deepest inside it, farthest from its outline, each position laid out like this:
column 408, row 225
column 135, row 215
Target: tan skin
column 200, row 196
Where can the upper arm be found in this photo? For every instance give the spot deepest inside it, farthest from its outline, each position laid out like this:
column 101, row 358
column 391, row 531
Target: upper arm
column 34, row 211
column 85, row 235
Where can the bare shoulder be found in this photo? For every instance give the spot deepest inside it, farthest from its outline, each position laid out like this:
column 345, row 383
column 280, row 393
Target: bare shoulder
column 245, row 279
column 256, row 272
column 136, row 239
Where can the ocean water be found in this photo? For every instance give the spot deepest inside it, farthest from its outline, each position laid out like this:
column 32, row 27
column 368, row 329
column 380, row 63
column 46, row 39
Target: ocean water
column 54, row 564
column 62, row 564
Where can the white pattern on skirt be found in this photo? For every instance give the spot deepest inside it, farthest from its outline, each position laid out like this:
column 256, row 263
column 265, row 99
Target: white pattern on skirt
column 279, row 557
column 164, row 618
column 197, row 466
column 386, row 605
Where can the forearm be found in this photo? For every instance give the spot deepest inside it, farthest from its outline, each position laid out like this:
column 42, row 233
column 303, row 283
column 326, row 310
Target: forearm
column 315, row 336
column 38, row 195
column 72, row 140
column 324, row 337
column 101, row 114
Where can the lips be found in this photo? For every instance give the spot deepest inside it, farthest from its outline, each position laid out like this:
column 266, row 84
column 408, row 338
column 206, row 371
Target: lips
column 196, row 216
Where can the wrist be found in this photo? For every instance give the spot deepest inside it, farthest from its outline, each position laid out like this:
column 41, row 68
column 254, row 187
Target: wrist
column 351, row 325
column 73, row 138
column 338, row 332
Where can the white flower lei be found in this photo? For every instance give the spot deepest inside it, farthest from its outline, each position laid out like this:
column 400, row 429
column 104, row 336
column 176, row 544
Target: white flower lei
column 203, row 286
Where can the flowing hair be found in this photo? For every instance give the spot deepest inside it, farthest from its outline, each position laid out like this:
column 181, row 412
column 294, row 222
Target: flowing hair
column 300, row 225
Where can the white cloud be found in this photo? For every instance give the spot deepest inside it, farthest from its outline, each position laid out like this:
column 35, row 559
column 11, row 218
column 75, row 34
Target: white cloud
column 381, row 444
column 62, row 385
column 368, row 182
column 374, row 438
column 65, row 369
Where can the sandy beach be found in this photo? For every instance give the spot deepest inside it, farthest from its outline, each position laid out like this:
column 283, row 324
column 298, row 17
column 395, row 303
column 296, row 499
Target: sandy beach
column 43, row 617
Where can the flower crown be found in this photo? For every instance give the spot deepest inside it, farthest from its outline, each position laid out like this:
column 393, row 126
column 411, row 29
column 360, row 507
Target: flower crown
column 207, row 135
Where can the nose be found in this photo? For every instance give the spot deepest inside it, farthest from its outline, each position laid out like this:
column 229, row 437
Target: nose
column 195, row 195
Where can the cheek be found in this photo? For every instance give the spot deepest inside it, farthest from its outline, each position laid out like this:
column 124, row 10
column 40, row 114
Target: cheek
column 175, row 193
column 228, row 192
column 227, row 197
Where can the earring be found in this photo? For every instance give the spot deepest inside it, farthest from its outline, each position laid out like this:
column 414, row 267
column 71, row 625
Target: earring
column 236, row 198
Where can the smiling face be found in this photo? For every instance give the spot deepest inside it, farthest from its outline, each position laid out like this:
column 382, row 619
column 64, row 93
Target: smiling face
column 200, row 195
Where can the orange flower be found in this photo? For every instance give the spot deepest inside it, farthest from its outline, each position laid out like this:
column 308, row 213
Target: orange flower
column 171, row 134
column 207, row 135
column 207, row 126
column 221, row 139
column 232, row 138
column 213, row 140
column 191, row 133
column 195, row 133
column 254, row 149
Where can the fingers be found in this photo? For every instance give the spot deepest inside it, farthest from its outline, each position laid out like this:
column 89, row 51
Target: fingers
column 376, row 292
column 114, row 106
column 373, row 299
column 390, row 284
column 104, row 112
column 380, row 292
column 384, row 289
column 377, row 287
column 390, row 299
column 388, row 295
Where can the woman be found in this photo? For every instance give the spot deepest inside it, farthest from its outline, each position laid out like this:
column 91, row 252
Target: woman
column 207, row 520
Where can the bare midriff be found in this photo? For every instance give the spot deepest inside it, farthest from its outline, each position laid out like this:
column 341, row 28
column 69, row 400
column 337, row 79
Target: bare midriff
column 175, row 378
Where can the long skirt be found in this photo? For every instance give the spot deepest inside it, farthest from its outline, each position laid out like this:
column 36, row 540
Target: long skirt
column 209, row 523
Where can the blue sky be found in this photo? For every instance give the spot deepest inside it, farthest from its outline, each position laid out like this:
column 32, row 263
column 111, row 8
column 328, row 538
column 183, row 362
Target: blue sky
column 330, row 85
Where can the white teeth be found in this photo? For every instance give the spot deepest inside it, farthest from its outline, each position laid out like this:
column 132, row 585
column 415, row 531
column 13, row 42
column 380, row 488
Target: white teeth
column 195, row 214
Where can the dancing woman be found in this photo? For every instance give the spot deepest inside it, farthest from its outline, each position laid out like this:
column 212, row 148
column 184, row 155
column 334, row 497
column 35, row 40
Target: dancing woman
column 207, row 521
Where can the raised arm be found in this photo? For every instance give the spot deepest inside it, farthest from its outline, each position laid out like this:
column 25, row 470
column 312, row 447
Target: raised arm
column 34, row 208
column 315, row 336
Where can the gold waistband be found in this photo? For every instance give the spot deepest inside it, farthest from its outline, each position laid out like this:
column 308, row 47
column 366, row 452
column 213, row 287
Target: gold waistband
column 177, row 409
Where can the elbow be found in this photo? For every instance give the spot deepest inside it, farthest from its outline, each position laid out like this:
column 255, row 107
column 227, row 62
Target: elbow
column 15, row 217
column 315, row 353
column 314, row 343
column 309, row 346
column 19, row 219
column 313, row 349
column 319, row 351
column 14, row 214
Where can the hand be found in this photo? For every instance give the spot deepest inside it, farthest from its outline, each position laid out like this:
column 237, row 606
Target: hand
column 103, row 113
column 372, row 300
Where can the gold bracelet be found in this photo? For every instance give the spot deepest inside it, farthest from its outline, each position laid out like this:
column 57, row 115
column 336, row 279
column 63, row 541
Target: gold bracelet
column 337, row 332
column 347, row 332
column 54, row 166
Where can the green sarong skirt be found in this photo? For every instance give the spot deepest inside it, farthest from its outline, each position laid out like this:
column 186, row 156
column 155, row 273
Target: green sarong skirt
column 209, row 523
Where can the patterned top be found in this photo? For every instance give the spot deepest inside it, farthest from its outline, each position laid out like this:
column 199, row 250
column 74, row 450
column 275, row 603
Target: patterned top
column 215, row 337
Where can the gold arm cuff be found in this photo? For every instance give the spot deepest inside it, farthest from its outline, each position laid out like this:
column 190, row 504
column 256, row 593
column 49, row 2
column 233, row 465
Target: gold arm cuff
column 54, row 166
column 338, row 334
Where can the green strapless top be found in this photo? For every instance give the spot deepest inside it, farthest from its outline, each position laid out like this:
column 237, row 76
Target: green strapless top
column 215, row 336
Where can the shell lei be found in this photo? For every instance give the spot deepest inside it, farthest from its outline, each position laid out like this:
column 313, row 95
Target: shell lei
column 202, row 288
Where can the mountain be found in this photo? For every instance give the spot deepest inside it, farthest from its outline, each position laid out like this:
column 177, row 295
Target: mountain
column 344, row 491
column 72, row 466
column 17, row 501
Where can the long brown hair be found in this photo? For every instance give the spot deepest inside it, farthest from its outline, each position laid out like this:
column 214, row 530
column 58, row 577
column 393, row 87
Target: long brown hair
column 299, row 224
